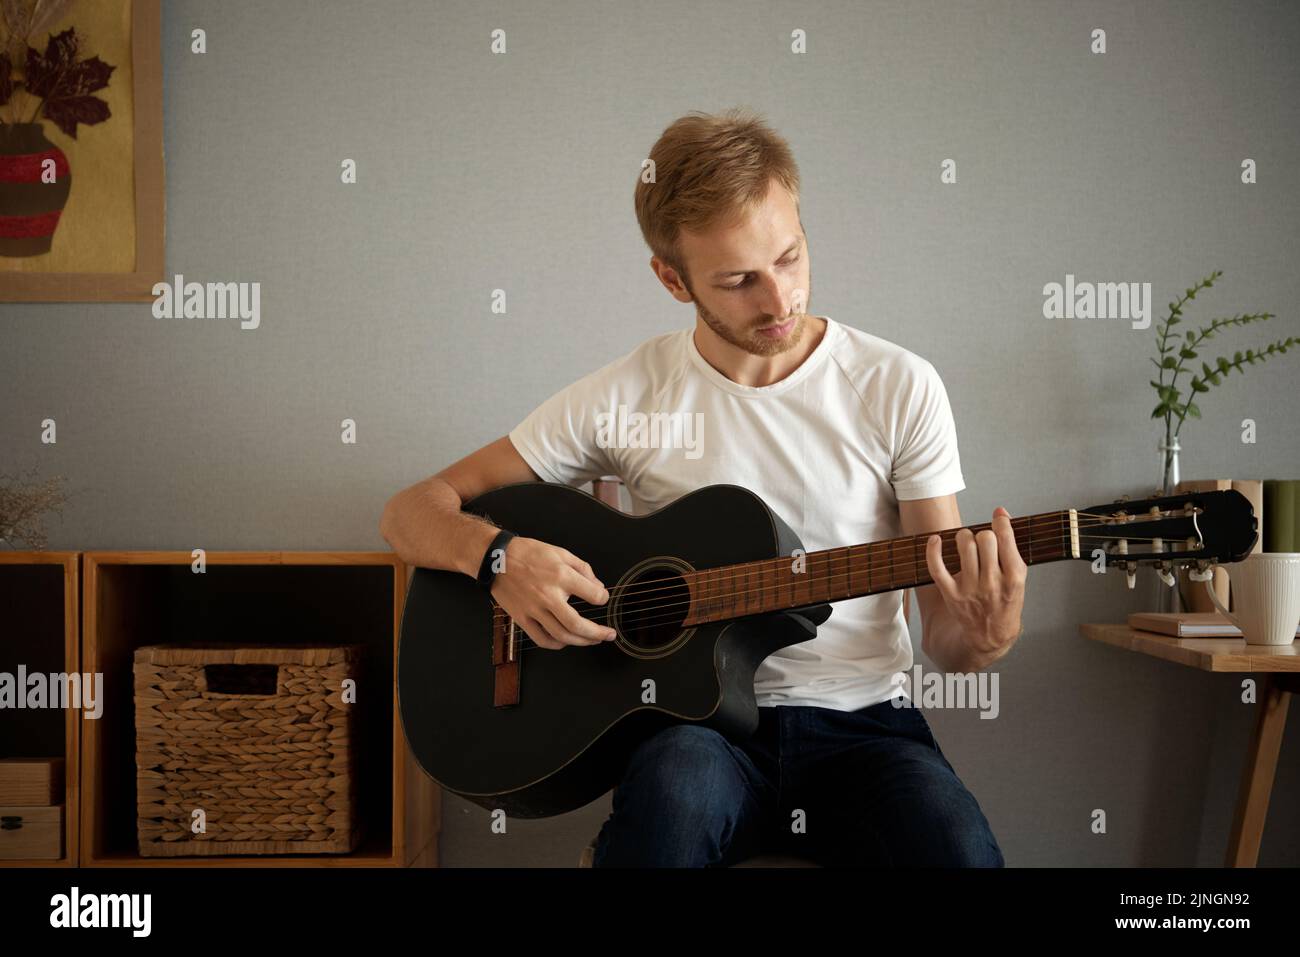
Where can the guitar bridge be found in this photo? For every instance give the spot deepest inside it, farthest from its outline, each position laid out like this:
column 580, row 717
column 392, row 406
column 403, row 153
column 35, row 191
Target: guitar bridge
column 506, row 640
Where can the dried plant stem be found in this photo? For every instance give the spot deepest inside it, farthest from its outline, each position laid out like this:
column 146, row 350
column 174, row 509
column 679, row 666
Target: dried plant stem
column 21, row 506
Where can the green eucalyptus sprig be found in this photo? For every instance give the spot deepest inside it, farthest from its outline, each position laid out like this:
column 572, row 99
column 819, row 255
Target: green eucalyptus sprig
column 1175, row 351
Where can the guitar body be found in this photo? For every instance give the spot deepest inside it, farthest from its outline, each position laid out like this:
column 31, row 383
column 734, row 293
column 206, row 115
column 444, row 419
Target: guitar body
column 580, row 711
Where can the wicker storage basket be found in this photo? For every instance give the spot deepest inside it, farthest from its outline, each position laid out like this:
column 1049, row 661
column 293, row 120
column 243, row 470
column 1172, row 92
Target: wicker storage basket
column 259, row 738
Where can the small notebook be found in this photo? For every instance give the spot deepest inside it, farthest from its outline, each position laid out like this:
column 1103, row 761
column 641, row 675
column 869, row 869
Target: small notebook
column 1188, row 624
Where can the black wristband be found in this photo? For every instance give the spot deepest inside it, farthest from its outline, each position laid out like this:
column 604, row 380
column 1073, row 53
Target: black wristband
column 485, row 573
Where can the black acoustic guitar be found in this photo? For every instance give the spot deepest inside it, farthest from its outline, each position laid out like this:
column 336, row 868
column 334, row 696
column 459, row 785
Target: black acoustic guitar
column 701, row 591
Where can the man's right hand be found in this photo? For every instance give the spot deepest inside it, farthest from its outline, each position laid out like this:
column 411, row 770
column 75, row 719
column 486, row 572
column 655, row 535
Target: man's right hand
column 534, row 588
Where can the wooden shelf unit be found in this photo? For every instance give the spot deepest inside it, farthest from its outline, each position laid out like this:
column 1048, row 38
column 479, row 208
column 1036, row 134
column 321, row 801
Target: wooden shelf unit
column 142, row 598
column 40, row 597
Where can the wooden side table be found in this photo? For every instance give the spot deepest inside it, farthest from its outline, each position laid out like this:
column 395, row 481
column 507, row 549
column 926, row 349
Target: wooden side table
column 1279, row 669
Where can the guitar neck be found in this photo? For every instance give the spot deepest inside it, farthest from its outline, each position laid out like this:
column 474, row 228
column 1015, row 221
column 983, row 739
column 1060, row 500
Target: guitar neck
column 837, row 574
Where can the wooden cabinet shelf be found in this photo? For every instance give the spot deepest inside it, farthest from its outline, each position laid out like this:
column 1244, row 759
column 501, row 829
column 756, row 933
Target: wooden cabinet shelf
column 40, row 603
column 131, row 599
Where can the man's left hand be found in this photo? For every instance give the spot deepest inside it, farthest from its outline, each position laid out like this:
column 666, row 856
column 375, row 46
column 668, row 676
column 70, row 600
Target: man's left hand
column 985, row 598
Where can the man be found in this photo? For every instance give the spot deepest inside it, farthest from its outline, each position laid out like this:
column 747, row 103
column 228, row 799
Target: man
column 849, row 438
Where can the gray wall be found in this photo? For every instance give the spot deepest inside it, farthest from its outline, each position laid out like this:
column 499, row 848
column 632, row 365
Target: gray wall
column 516, row 171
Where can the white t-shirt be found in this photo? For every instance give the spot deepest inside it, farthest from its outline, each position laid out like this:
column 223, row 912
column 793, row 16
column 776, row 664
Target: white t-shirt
column 831, row 448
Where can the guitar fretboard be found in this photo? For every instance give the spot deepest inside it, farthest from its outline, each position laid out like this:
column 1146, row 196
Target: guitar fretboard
column 836, row 574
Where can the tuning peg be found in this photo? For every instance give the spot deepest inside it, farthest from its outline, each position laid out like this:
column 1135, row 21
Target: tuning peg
column 1122, row 499
column 1203, row 572
column 1130, row 568
column 1166, row 574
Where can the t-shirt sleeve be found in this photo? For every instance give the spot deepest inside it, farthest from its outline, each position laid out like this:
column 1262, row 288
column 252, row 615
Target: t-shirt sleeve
column 926, row 461
column 558, row 439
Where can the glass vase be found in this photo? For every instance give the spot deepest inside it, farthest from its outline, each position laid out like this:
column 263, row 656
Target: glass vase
column 1167, row 598
column 1168, row 466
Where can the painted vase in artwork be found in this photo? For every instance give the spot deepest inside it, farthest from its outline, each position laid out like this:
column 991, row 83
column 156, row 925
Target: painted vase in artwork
column 34, row 184
column 56, row 86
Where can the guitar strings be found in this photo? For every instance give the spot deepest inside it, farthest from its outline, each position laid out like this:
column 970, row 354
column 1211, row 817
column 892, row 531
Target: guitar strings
column 643, row 607
column 703, row 575
column 644, row 618
column 1031, row 529
column 636, row 614
column 641, row 617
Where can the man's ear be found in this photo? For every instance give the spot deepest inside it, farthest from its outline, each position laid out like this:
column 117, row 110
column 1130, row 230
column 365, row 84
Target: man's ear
column 671, row 280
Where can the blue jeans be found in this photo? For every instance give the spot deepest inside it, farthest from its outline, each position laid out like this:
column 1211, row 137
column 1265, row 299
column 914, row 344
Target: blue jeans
column 872, row 785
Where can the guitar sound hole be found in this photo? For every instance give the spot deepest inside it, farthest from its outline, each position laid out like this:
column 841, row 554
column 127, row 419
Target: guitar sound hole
column 652, row 607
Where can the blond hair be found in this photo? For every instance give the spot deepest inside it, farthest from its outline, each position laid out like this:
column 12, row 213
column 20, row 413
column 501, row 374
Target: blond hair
column 709, row 170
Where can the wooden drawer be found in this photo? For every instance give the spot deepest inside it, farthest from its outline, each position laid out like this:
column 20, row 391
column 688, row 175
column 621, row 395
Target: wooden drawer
column 31, row 832
column 28, row 781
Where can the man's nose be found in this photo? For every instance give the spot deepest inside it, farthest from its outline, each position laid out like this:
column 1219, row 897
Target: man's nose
column 777, row 298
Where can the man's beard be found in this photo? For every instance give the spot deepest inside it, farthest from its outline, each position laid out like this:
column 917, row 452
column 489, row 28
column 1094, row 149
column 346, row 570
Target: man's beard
column 750, row 339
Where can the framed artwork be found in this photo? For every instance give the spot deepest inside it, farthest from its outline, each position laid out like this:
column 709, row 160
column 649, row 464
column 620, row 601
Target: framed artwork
column 81, row 152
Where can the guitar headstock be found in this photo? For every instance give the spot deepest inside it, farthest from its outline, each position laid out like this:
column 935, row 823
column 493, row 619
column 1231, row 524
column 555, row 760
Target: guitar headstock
column 1193, row 528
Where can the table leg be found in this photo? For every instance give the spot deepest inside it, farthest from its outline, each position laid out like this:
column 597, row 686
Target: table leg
column 1261, row 762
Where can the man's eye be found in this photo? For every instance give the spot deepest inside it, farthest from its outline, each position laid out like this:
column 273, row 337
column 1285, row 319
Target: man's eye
column 745, row 282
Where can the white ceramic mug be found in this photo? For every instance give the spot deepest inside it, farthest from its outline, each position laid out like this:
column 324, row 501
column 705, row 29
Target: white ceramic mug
column 1266, row 591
